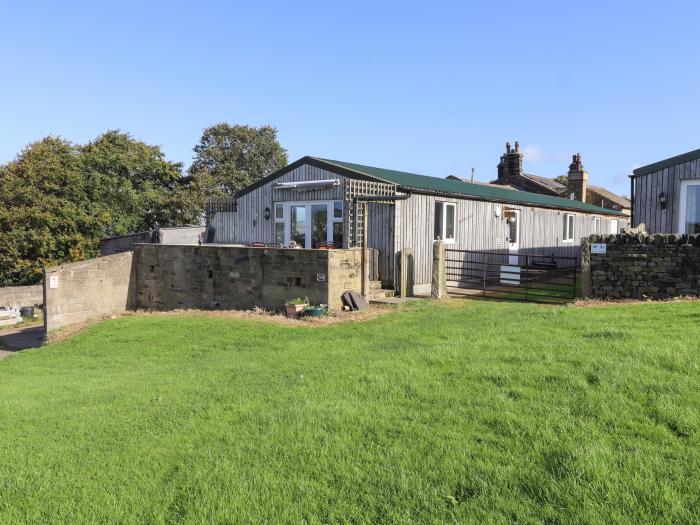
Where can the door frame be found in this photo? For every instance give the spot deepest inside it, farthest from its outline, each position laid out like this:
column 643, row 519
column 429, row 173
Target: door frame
column 683, row 195
column 330, row 206
column 514, row 246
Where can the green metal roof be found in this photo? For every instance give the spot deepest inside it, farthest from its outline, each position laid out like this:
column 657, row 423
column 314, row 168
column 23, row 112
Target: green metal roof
column 423, row 183
column 667, row 163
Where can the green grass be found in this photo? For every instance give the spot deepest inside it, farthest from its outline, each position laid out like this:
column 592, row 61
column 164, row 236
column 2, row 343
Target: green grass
column 470, row 412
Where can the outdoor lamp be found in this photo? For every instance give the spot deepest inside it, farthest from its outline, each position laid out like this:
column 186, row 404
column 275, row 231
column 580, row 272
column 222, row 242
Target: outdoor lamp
column 267, row 214
column 663, row 200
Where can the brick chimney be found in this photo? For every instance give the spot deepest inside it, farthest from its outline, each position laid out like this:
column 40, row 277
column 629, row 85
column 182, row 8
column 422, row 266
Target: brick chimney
column 578, row 179
column 510, row 168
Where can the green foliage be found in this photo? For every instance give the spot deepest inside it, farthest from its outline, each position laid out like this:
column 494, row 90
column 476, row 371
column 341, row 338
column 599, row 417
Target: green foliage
column 58, row 199
column 466, row 412
column 131, row 185
column 562, row 179
column 45, row 214
column 229, row 158
column 299, row 300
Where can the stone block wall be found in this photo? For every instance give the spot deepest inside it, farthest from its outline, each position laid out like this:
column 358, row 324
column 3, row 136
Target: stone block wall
column 344, row 273
column 21, row 295
column 641, row 266
column 168, row 277
column 226, row 277
column 87, row 290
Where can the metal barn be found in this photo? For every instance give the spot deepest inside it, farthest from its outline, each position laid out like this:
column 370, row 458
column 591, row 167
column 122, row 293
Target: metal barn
column 316, row 203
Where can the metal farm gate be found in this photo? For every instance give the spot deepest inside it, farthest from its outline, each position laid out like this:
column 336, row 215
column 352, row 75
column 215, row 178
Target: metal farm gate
column 510, row 276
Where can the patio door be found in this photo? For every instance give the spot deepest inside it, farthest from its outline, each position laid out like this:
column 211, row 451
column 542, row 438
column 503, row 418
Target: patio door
column 313, row 224
column 513, row 236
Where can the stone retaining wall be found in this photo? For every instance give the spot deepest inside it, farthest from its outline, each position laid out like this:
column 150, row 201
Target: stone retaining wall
column 227, row 277
column 168, row 277
column 87, row 290
column 642, row 266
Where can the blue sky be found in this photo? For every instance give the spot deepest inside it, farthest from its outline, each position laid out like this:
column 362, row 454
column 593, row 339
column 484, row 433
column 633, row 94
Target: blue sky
column 430, row 87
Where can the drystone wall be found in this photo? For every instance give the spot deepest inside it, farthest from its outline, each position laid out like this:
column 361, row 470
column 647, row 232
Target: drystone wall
column 641, row 266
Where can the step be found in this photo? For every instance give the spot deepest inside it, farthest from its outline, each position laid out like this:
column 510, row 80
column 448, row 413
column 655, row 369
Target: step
column 375, row 285
column 392, row 302
column 380, row 294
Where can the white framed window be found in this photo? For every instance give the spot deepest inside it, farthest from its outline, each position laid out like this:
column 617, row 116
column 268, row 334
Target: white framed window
column 279, row 223
column 596, row 225
column 614, row 228
column 689, row 212
column 568, row 227
column 445, row 218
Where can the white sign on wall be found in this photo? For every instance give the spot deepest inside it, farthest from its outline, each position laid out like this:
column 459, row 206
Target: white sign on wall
column 321, row 277
column 53, row 281
column 600, row 249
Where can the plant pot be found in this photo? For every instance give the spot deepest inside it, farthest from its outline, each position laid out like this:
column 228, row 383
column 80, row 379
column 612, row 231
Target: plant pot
column 294, row 310
column 314, row 311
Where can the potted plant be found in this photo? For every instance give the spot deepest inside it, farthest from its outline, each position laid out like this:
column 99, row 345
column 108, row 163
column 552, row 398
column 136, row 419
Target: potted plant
column 294, row 307
column 318, row 310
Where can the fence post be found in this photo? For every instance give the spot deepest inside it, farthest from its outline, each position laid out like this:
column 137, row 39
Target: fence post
column 439, row 281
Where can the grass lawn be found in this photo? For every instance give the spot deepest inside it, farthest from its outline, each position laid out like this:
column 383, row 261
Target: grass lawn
column 467, row 412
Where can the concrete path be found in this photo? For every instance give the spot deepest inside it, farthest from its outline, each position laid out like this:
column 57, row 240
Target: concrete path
column 16, row 339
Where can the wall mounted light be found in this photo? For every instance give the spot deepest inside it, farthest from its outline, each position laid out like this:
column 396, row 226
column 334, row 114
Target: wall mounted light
column 663, row 200
column 267, row 214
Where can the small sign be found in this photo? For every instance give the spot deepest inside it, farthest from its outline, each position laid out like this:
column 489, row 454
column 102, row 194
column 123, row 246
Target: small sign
column 510, row 275
column 53, row 281
column 600, row 249
column 321, row 277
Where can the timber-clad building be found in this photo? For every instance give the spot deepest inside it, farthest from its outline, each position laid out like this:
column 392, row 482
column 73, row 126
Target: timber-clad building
column 666, row 195
column 316, row 203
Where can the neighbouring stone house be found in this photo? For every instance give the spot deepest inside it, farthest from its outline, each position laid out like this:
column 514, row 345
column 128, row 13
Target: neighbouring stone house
column 511, row 173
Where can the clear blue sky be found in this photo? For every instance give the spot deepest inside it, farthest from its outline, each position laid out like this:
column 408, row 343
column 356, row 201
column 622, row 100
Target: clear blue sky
column 434, row 88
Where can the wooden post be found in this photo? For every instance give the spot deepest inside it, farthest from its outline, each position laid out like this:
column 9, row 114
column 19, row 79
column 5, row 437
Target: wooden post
column 439, row 281
column 365, row 253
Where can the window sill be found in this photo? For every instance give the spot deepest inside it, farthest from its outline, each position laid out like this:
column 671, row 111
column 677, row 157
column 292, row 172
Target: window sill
column 567, row 241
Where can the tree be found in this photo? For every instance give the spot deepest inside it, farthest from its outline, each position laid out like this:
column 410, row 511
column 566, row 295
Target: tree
column 562, row 179
column 44, row 211
column 131, row 186
column 229, row 158
column 57, row 200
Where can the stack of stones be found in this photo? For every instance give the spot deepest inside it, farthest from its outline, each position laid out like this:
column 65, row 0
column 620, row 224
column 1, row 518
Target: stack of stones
column 644, row 266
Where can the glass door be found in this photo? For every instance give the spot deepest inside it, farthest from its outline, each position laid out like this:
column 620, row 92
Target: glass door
column 297, row 226
column 312, row 224
column 319, row 225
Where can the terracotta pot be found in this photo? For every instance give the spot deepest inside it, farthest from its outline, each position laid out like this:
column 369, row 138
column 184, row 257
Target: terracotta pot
column 294, row 310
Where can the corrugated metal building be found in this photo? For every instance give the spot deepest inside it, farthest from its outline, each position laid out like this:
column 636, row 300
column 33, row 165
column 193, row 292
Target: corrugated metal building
column 318, row 203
